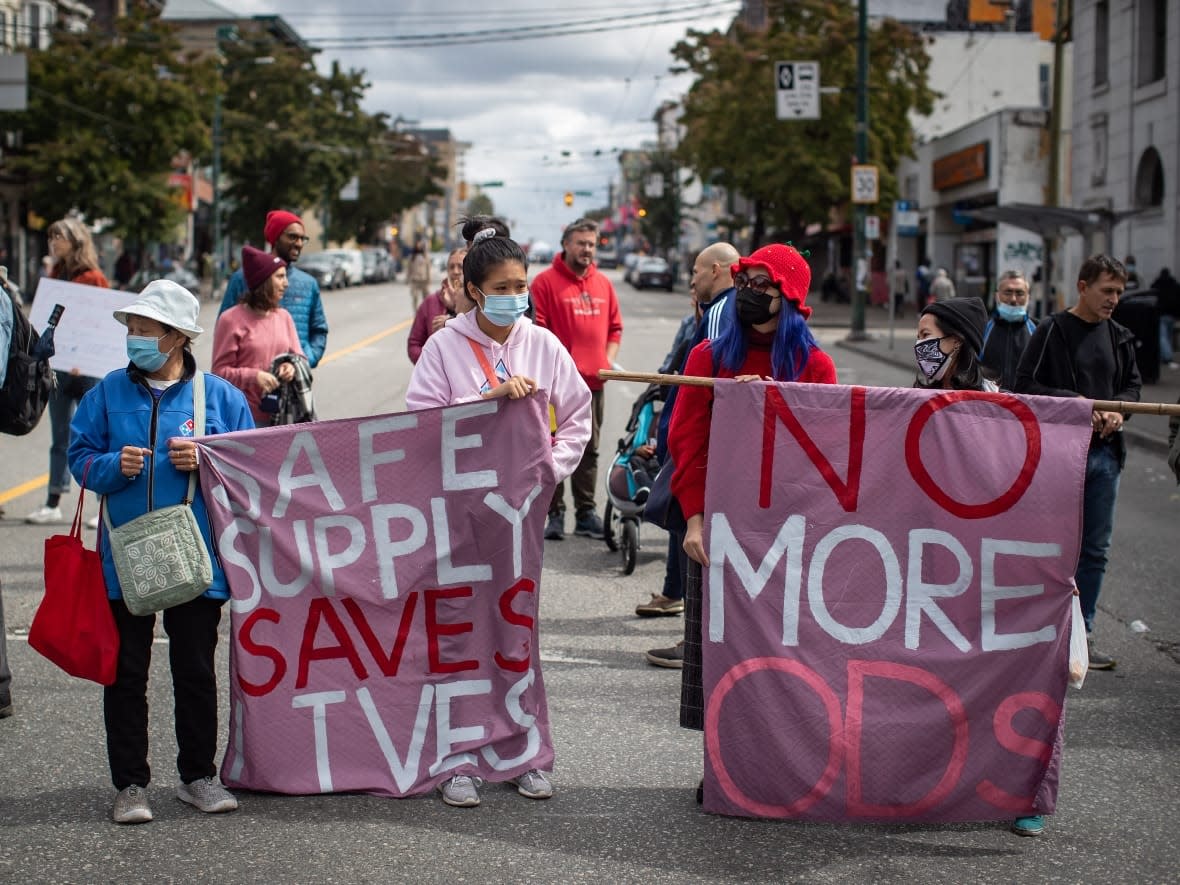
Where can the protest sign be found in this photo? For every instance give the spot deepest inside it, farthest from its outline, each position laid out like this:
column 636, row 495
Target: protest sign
column 88, row 339
column 384, row 574
column 887, row 605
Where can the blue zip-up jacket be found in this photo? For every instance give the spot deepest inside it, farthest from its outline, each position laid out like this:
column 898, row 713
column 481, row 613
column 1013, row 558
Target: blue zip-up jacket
column 301, row 300
column 121, row 411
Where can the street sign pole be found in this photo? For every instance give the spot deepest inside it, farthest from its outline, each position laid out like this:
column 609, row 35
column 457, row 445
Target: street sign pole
column 860, row 243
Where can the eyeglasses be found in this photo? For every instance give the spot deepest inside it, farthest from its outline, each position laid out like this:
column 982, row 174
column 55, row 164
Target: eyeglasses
column 759, row 283
column 57, row 235
column 297, row 238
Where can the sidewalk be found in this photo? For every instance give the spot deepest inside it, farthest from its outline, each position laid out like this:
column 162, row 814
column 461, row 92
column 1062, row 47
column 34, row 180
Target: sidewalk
column 1149, row 432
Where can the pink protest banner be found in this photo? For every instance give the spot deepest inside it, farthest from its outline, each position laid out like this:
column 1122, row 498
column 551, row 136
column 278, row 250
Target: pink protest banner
column 887, row 605
column 384, row 574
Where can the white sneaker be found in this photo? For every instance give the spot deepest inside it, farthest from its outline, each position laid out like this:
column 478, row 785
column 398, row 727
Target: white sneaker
column 45, row 516
column 92, row 523
column 533, row 785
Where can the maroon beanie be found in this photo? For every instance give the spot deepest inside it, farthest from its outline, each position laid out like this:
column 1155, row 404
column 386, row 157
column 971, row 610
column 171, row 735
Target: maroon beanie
column 278, row 221
column 789, row 270
column 258, row 266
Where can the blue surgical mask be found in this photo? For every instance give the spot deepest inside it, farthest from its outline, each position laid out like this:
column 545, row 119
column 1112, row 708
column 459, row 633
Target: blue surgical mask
column 504, row 310
column 144, row 351
column 1012, row 312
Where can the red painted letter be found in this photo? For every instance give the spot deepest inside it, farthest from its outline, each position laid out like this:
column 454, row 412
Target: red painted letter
column 1032, row 454
column 1014, row 742
column 846, row 491
column 853, row 727
column 390, row 663
column 521, row 664
column 435, row 629
column 246, row 641
column 321, row 608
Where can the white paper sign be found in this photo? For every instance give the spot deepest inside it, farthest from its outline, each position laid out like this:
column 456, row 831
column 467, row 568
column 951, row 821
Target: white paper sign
column 88, row 338
column 797, row 90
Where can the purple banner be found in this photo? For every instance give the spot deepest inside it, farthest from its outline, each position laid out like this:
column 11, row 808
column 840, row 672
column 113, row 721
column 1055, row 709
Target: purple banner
column 384, row 574
column 887, row 604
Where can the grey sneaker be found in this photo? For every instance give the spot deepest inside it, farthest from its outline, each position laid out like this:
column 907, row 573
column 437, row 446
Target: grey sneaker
column 533, row 785
column 555, row 527
column 207, row 795
column 460, row 791
column 131, row 806
column 1099, row 661
column 672, row 658
column 589, row 525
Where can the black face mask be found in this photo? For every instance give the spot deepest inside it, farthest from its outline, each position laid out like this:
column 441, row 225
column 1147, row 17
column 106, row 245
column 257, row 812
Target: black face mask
column 753, row 308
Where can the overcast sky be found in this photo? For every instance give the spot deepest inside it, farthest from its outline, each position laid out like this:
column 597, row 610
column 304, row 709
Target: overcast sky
column 520, row 103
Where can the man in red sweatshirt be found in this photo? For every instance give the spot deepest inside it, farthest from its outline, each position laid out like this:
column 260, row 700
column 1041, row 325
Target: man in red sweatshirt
column 578, row 304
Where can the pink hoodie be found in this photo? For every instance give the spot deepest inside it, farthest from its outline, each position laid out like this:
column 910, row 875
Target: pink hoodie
column 448, row 372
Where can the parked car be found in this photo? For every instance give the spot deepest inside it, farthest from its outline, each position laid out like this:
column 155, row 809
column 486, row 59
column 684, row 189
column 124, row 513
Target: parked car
column 327, row 268
column 653, row 273
column 378, row 265
column 354, row 265
column 630, row 260
column 181, row 275
column 607, row 259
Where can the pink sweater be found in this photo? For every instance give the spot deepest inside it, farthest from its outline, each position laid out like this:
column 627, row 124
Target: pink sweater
column 246, row 342
column 448, row 372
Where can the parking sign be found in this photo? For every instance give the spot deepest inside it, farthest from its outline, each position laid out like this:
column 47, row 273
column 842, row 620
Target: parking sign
column 797, row 90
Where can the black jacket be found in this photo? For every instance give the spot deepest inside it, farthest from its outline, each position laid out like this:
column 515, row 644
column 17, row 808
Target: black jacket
column 1003, row 343
column 1047, row 368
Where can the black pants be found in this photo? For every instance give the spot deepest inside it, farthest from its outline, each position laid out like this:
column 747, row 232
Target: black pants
column 192, row 635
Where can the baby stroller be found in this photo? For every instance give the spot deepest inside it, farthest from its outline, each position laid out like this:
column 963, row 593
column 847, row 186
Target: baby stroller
column 629, row 480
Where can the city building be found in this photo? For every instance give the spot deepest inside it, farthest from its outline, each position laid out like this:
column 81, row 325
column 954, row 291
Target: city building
column 1126, row 127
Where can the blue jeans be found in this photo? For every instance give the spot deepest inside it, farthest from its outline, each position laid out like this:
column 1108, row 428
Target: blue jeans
column 674, row 568
column 1098, row 500
column 1167, row 328
column 65, row 399
column 5, row 673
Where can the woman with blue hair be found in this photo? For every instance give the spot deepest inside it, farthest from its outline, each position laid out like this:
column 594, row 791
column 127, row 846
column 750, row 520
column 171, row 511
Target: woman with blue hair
column 766, row 338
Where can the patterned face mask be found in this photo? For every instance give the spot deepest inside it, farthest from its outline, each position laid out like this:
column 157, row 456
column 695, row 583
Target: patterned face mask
column 932, row 362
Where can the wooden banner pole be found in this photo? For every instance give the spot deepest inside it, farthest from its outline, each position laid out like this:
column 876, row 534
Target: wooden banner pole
column 694, row 381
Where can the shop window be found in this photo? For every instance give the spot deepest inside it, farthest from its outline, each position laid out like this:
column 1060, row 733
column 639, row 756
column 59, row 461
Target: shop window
column 1101, row 43
column 1153, row 43
column 1149, row 180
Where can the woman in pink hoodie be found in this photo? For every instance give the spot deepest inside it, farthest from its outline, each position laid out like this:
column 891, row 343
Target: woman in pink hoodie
column 495, row 350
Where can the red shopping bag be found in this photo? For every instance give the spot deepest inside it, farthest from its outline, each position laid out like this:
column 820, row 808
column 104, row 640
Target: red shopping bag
column 74, row 626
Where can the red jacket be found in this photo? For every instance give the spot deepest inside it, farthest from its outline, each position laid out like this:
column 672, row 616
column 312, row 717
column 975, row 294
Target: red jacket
column 583, row 312
column 688, row 435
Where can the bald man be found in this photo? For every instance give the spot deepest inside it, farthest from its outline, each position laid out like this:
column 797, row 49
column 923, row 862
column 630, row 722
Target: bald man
column 711, row 286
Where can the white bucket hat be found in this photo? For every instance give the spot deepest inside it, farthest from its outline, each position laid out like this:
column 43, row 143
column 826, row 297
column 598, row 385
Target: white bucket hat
column 166, row 302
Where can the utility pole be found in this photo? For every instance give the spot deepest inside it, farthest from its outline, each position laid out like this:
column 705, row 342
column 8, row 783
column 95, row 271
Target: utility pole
column 225, row 32
column 860, row 242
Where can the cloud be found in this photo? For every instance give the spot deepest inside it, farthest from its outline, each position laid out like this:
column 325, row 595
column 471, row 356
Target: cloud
column 544, row 116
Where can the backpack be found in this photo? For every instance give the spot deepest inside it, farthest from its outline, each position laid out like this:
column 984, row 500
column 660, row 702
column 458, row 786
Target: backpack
column 29, row 382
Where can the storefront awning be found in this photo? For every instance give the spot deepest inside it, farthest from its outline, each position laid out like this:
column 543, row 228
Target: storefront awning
column 1051, row 221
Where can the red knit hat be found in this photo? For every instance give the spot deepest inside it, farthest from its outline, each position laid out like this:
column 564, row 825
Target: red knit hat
column 277, row 221
column 788, row 269
column 259, row 266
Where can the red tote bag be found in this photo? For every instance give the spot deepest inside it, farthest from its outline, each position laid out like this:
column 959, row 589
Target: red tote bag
column 74, row 626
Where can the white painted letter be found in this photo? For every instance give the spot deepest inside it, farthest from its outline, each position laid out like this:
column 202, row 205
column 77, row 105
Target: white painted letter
column 304, row 443
column 330, row 561
column 445, row 736
column 920, row 595
column 723, row 545
column 404, row 774
column 989, row 550
column 452, row 574
column 516, row 520
column 370, row 459
column 388, row 549
column 452, row 479
column 319, row 701
column 815, row 585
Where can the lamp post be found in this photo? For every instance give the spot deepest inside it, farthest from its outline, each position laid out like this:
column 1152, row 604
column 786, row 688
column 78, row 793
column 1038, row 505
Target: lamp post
column 860, row 248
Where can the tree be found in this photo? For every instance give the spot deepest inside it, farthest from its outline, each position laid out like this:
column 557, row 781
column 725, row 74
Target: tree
column 797, row 172
column 480, row 204
column 397, row 173
column 107, row 114
column 660, row 224
column 291, row 136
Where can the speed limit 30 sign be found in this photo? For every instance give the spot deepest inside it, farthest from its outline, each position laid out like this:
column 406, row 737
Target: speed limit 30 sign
column 865, row 184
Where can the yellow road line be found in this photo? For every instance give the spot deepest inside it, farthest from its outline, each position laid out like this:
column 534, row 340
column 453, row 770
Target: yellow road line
column 24, row 488
column 43, row 480
column 365, row 342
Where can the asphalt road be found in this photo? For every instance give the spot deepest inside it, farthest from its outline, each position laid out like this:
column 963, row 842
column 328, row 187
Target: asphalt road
column 624, row 809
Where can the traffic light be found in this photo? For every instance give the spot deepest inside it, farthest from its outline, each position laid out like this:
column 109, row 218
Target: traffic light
column 642, row 213
column 568, row 199
column 462, row 191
